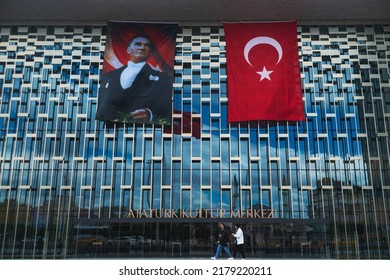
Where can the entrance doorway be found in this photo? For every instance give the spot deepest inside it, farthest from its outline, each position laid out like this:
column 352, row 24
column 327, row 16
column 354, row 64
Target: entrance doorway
column 182, row 239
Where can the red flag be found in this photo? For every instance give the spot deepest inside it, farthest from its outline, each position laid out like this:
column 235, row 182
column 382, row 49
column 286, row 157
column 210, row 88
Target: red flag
column 263, row 72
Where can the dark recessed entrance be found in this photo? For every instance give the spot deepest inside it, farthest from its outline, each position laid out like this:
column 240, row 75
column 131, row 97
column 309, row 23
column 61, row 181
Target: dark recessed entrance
column 183, row 238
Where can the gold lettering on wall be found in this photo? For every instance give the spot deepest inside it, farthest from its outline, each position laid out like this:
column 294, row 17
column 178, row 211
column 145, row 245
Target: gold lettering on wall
column 200, row 213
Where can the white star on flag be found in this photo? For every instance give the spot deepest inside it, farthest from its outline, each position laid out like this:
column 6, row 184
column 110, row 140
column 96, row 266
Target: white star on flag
column 264, row 74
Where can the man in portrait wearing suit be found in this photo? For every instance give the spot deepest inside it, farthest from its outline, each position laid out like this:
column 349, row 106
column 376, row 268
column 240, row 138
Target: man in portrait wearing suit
column 136, row 92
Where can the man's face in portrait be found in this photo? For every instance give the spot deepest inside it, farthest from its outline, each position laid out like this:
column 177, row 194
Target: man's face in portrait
column 139, row 49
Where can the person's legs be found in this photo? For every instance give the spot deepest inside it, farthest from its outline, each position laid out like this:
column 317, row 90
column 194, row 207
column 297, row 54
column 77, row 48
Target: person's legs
column 235, row 250
column 218, row 251
column 241, row 249
column 226, row 248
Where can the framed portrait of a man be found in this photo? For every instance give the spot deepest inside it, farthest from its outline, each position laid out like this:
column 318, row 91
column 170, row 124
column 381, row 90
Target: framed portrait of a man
column 137, row 75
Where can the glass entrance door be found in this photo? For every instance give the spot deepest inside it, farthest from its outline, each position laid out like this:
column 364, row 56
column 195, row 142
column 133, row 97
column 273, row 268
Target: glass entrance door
column 276, row 239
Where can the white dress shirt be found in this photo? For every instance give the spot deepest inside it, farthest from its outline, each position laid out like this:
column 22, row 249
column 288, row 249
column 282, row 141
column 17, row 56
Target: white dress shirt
column 130, row 73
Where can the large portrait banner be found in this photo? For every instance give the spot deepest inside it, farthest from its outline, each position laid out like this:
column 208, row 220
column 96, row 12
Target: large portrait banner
column 137, row 75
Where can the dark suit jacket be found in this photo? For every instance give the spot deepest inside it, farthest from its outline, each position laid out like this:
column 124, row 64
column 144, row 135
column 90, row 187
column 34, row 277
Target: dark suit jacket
column 151, row 89
column 223, row 237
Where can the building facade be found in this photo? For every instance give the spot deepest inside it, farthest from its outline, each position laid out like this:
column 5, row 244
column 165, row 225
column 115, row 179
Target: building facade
column 74, row 187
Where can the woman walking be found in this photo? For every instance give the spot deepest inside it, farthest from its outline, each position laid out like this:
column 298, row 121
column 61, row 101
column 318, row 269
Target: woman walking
column 223, row 238
column 239, row 241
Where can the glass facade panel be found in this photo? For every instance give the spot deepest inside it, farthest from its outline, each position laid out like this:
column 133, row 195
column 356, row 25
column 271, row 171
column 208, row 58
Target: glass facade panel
column 71, row 186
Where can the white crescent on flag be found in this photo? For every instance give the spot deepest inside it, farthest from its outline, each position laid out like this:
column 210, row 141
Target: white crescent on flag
column 264, row 74
column 262, row 40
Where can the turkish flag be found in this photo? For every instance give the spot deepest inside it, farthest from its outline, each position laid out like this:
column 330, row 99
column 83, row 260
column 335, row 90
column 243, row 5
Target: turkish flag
column 263, row 72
